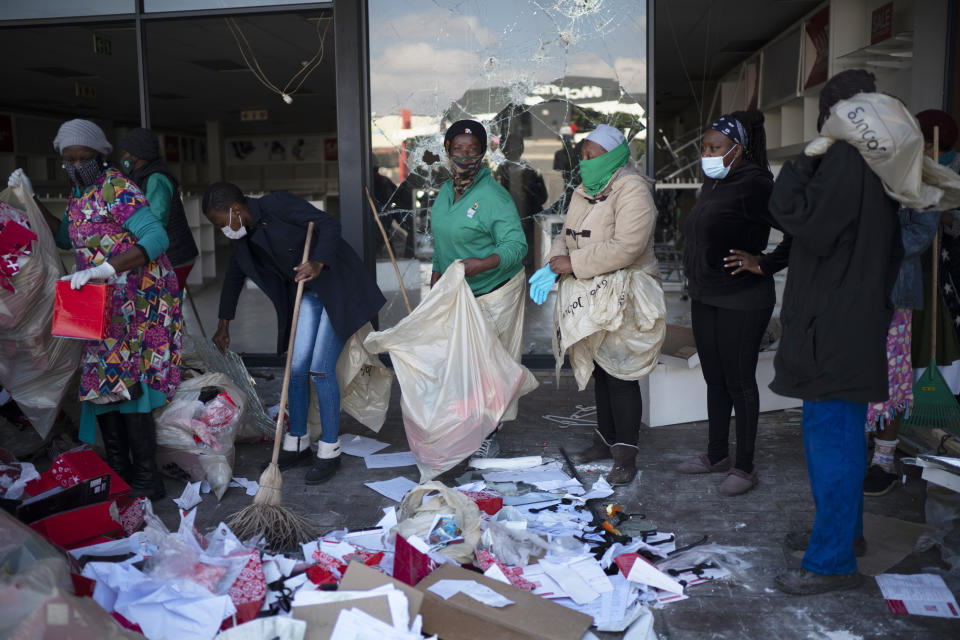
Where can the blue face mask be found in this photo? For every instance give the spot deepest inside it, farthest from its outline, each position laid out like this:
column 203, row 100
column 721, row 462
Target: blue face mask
column 713, row 166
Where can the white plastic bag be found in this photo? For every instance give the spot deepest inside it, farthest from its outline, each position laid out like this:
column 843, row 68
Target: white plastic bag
column 889, row 138
column 35, row 367
column 364, row 382
column 457, row 380
column 421, row 504
column 196, row 439
column 503, row 309
column 617, row 320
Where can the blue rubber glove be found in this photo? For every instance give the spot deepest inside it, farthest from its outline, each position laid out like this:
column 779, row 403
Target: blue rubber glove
column 540, row 284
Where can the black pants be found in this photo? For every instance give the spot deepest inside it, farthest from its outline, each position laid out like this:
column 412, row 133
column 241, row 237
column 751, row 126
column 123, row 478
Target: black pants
column 728, row 342
column 619, row 407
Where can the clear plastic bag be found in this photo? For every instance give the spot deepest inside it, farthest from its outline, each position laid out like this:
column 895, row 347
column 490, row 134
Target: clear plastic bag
column 457, row 379
column 35, row 367
column 196, row 439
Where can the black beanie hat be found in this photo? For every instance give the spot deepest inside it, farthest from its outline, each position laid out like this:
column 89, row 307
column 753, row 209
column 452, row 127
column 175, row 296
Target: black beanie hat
column 142, row 143
column 843, row 86
column 471, row 127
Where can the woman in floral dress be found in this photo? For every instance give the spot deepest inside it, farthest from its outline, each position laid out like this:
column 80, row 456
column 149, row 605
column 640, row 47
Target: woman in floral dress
column 116, row 238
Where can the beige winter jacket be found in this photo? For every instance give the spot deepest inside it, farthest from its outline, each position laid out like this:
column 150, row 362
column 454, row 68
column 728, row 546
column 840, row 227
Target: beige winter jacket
column 612, row 230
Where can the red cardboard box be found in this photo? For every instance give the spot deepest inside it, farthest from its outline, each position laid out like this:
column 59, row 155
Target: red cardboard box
column 82, row 313
column 76, row 527
column 410, row 565
column 74, row 466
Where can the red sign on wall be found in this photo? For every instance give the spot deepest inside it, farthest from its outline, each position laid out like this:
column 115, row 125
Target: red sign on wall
column 171, row 148
column 881, row 23
column 330, row 149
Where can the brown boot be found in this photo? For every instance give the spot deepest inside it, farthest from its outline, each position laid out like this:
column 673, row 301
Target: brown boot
column 624, row 464
column 598, row 450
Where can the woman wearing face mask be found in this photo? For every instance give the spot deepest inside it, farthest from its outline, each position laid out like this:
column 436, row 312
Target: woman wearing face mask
column 339, row 297
column 116, row 238
column 731, row 287
column 609, row 228
column 474, row 220
column 140, row 159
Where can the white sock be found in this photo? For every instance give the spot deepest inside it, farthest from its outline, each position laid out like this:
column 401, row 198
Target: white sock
column 295, row 443
column 883, row 453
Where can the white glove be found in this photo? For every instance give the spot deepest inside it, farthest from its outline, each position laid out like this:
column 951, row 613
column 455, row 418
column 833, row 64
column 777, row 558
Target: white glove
column 104, row 271
column 18, row 177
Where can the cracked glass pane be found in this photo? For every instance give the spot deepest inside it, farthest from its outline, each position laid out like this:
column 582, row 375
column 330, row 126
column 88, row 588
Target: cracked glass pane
column 540, row 75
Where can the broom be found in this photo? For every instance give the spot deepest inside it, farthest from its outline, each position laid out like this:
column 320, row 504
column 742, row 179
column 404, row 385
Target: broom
column 934, row 406
column 281, row 527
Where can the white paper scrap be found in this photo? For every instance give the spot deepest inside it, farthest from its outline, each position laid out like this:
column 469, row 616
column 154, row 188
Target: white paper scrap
column 479, row 592
column 251, row 486
column 389, row 519
column 645, row 573
column 923, row 594
column 496, row 573
column 600, row 489
column 190, row 496
column 523, row 462
column 361, row 446
column 394, row 489
column 337, row 549
column 384, row 460
column 575, row 587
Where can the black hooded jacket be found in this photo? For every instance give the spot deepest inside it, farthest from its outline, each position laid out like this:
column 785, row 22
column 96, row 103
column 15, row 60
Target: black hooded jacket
column 844, row 261
column 732, row 213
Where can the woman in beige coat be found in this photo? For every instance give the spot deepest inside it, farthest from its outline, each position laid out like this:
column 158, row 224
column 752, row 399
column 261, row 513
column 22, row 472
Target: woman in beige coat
column 607, row 242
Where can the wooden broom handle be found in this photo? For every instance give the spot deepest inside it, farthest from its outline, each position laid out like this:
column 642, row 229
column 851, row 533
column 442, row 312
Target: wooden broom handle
column 936, row 265
column 284, row 393
column 386, row 241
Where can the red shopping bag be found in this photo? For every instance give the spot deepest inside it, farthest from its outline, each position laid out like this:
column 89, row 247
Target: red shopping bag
column 82, row 313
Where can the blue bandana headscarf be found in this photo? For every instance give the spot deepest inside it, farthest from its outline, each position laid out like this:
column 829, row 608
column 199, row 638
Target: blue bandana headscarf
column 731, row 127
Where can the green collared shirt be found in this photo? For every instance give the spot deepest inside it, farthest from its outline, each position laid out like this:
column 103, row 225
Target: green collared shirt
column 481, row 222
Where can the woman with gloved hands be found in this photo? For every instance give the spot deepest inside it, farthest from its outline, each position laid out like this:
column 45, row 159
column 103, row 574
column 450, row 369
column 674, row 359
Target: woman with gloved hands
column 609, row 229
column 117, row 239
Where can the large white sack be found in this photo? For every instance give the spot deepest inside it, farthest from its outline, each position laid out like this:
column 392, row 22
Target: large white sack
column 889, row 138
column 457, row 380
column 616, row 320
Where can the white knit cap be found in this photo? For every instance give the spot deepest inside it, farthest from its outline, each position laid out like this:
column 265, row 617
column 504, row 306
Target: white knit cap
column 83, row 133
column 606, row 136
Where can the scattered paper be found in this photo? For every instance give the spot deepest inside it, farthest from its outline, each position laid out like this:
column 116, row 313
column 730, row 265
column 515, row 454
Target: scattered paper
column 530, row 477
column 354, row 624
column 600, row 489
column 394, row 489
column 613, row 611
column 573, row 585
column 924, row 594
column 496, row 573
column 190, row 496
column 479, row 592
column 637, row 569
column 389, row 519
column 384, row 460
column 337, row 549
column 370, row 539
column 250, row 486
column 523, row 462
column 279, row 627
column 361, row 446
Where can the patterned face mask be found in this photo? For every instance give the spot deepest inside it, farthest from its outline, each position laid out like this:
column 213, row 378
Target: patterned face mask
column 86, row 174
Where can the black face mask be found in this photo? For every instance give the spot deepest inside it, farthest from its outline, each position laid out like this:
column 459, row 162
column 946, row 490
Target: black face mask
column 86, row 174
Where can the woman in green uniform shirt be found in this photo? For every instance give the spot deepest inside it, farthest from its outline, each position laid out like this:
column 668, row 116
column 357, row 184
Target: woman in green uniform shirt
column 475, row 221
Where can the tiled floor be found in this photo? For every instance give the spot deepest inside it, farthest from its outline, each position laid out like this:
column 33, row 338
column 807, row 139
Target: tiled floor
column 745, row 606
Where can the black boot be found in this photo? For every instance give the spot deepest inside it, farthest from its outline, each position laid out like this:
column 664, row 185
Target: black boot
column 115, row 443
column 624, row 464
column 599, row 449
column 142, row 435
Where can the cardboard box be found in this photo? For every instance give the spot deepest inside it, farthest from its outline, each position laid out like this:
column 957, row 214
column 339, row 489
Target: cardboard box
column 82, row 313
column 411, row 565
column 75, row 528
column 679, row 348
column 461, row 617
column 321, row 618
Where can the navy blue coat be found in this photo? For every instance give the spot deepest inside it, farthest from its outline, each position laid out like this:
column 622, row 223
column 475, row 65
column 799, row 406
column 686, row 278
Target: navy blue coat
column 274, row 246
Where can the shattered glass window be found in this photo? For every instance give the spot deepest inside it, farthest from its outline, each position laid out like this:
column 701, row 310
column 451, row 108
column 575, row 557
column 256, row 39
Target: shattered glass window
column 539, row 74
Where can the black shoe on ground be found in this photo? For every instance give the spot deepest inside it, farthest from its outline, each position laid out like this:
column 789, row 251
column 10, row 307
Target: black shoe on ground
column 322, row 470
column 290, row 459
column 879, row 482
column 799, row 540
column 800, row 582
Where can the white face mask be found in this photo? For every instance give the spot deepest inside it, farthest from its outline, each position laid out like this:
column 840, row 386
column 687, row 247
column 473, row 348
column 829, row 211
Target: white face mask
column 713, row 167
column 230, row 232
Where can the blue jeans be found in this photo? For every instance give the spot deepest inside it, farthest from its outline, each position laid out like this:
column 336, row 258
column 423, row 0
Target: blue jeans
column 315, row 353
column 836, row 450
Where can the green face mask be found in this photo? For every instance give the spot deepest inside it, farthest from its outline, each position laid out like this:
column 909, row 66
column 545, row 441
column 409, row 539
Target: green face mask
column 127, row 165
column 596, row 172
